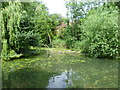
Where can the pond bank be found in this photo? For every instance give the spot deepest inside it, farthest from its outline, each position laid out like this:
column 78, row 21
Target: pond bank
column 60, row 51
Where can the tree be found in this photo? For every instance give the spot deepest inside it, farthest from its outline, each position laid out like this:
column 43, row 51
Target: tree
column 45, row 24
column 16, row 39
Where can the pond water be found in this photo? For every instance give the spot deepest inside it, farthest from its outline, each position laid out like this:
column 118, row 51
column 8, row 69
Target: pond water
column 60, row 71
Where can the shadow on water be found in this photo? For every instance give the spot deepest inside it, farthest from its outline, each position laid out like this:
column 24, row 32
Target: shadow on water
column 27, row 78
column 60, row 71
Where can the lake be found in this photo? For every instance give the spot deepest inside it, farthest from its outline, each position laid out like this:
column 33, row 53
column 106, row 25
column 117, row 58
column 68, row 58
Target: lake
column 60, row 71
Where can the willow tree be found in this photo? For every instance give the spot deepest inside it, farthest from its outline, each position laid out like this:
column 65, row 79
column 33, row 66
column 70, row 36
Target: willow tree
column 0, row 29
column 10, row 21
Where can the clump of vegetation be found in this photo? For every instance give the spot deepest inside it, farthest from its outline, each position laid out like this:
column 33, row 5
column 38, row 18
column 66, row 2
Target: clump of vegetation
column 68, row 37
column 24, row 25
column 58, row 43
column 16, row 34
column 94, row 32
column 101, row 32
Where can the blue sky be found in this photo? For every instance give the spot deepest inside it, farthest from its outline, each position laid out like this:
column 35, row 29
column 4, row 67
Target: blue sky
column 56, row 6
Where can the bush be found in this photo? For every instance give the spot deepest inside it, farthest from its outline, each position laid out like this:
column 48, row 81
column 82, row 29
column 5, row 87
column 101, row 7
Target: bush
column 81, row 45
column 101, row 31
column 68, row 37
column 58, row 43
column 24, row 40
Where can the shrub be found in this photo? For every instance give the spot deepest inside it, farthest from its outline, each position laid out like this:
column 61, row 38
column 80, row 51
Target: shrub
column 68, row 37
column 81, row 45
column 101, row 30
column 58, row 43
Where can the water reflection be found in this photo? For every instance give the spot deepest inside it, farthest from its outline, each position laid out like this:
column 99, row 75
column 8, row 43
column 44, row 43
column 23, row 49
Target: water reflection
column 61, row 81
column 60, row 71
column 26, row 78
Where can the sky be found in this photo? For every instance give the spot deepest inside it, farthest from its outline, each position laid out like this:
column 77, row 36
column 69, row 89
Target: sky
column 56, row 6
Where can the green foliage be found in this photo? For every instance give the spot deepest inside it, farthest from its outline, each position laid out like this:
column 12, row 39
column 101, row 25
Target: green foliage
column 41, row 24
column 26, row 39
column 67, row 37
column 75, row 9
column 26, row 24
column 97, row 33
column 5, row 50
column 55, row 20
column 46, row 23
column 101, row 31
column 10, row 20
column 17, row 29
column 76, row 14
column 58, row 43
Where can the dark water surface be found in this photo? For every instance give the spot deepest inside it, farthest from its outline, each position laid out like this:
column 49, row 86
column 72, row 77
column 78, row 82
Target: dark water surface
column 60, row 71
